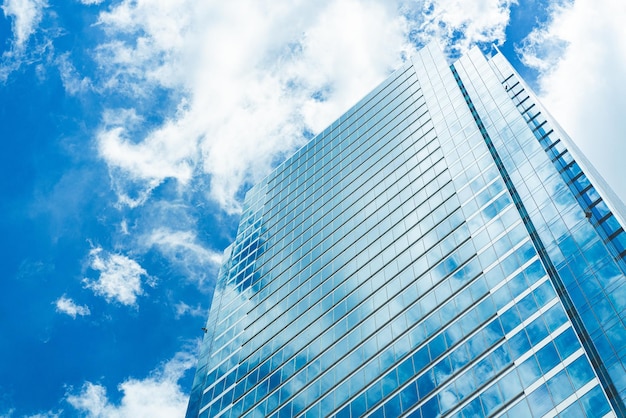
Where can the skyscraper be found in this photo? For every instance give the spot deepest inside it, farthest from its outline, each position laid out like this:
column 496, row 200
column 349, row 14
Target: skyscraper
column 440, row 249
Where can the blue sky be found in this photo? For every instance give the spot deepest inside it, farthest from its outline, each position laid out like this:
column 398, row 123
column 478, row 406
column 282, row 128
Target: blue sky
column 132, row 129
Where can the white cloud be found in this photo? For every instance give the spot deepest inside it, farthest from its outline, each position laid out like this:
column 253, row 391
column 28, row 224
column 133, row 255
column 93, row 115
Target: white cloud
column 250, row 69
column 68, row 306
column 72, row 81
column 25, row 17
column 183, row 244
column 459, row 24
column 251, row 77
column 153, row 160
column 581, row 56
column 184, row 309
column 90, row 2
column 48, row 414
column 158, row 395
column 120, row 278
column 184, row 250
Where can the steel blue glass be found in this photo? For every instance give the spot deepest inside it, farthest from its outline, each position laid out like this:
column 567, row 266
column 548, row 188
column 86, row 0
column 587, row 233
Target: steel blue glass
column 442, row 249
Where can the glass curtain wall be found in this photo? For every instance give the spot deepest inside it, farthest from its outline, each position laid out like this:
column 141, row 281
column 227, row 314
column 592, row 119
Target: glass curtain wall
column 433, row 252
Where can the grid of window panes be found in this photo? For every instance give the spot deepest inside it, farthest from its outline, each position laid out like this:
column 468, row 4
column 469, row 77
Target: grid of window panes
column 383, row 270
column 199, row 382
column 276, row 261
column 579, row 233
column 451, row 112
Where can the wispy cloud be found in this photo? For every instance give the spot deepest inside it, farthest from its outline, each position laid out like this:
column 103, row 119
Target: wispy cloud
column 158, row 395
column 25, row 16
column 183, row 309
column 183, row 245
column 49, row 414
column 184, row 251
column 580, row 53
column 73, row 82
column 120, row 278
column 7, row 413
column 69, row 307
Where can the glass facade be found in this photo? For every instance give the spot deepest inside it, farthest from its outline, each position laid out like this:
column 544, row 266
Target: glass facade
column 441, row 249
